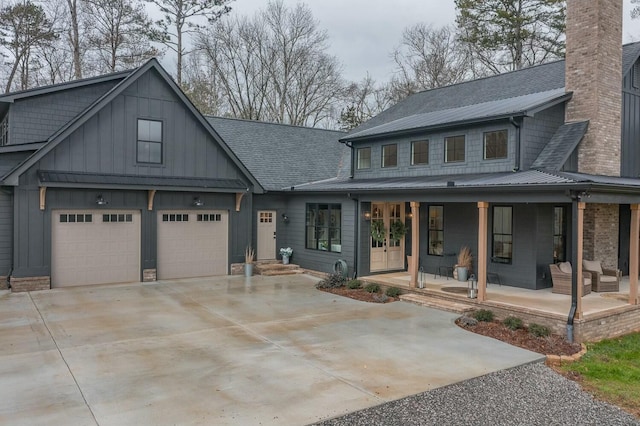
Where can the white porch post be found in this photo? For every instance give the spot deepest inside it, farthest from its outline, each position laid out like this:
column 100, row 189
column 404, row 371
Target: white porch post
column 483, row 208
column 634, row 251
column 415, row 243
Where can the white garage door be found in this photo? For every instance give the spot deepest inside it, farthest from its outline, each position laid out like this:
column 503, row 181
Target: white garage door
column 94, row 247
column 192, row 244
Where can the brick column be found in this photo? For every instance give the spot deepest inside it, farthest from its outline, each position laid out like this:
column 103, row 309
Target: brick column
column 601, row 227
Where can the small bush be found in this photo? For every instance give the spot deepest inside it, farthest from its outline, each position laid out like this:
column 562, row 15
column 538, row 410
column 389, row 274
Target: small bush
column 332, row 281
column 483, row 315
column 372, row 288
column 393, row 292
column 354, row 284
column 466, row 321
column 513, row 323
column 539, row 330
column 380, row 298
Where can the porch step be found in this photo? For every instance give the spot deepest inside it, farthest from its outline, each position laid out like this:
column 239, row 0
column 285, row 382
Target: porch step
column 437, row 303
column 276, row 268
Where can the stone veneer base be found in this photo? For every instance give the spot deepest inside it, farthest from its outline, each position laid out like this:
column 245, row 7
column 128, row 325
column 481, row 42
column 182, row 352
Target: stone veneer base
column 19, row 285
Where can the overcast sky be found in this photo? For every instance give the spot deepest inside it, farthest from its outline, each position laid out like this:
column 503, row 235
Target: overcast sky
column 363, row 33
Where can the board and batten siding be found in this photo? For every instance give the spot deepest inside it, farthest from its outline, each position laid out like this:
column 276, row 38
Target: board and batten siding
column 319, row 260
column 630, row 149
column 6, row 232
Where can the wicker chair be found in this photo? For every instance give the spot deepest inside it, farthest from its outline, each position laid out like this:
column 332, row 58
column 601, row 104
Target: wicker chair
column 561, row 277
column 602, row 279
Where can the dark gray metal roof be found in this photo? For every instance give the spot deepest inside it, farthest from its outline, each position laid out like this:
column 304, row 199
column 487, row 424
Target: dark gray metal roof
column 280, row 155
column 536, row 79
column 146, row 182
column 516, row 106
column 556, row 153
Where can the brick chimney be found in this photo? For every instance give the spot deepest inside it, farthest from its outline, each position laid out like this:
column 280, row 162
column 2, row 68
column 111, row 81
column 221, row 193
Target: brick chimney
column 594, row 75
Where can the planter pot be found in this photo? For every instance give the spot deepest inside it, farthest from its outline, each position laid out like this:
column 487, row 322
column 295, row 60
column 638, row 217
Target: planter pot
column 285, row 260
column 462, row 273
column 248, row 269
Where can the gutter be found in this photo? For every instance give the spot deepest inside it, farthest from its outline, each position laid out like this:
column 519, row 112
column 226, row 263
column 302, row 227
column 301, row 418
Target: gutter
column 518, row 142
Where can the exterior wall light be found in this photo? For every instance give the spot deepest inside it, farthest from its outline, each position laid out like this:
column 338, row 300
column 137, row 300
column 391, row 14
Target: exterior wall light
column 101, row 201
column 367, row 215
column 285, row 218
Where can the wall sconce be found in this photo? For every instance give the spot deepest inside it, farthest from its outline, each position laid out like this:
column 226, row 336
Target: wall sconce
column 285, row 218
column 197, row 202
column 367, row 215
column 409, row 215
column 101, row 201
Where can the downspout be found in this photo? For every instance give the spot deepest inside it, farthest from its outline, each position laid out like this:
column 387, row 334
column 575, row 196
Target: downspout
column 518, row 142
column 352, row 168
column 575, row 198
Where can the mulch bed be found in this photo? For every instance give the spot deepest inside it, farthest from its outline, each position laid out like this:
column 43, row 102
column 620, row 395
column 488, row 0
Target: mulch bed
column 357, row 294
column 551, row 345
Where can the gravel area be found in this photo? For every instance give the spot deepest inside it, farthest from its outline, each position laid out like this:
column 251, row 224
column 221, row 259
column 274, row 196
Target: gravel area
column 527, row 395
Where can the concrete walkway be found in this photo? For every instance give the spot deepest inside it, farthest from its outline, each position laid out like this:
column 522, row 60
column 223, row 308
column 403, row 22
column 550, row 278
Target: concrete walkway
column 224, row 350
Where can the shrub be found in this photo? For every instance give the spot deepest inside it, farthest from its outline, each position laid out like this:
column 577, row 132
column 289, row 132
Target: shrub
column 332, row 281
column 393, row 292
column 372, row 288
column 539, row 330
column 354, row 284
column 483, row 315
column 513, row 323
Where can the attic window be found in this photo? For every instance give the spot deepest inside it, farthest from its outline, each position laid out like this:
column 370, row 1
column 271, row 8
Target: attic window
column 4, row 131
column 149, row 141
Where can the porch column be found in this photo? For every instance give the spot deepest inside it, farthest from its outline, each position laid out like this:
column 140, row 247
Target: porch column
column 415, row 243
column 579, row 251
column 634, row 252
column 483, row 208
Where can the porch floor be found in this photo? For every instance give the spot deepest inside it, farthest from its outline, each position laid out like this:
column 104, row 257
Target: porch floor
column 542, row 301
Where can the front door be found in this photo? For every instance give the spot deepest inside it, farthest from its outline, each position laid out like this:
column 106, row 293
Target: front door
column 266, row 235
column 387, row 253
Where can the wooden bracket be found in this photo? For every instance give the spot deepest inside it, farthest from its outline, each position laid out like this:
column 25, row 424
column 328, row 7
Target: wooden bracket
column 239, row 196
column 43, row 195
column 152, row 194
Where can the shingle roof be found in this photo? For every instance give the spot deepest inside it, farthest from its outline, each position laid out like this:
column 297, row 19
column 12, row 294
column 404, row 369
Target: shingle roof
column 280, row 155
column 515, row 106
column 540, row 78
column 562, row 144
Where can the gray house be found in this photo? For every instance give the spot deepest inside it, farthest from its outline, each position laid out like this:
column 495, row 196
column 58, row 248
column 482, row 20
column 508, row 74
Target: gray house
column 117, row 179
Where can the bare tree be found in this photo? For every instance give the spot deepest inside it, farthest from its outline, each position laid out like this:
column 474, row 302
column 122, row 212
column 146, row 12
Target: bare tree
column 274, row 67
column 23, row 28
column 364, row 100
column 120, row 33
column 200, row 84
column 74, row 37
column 427, row 58
column 180, row 19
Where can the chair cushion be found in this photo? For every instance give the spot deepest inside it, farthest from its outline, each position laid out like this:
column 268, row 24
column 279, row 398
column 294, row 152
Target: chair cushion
column 608, row 279
column 565, row 267
column 587, row 281
column 592, row 265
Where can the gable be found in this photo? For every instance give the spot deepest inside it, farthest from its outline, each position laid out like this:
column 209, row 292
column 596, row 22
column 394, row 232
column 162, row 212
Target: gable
column 106, row 142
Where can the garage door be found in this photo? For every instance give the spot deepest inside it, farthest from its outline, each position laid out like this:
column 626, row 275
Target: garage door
column 192, row 244
column 95, row 247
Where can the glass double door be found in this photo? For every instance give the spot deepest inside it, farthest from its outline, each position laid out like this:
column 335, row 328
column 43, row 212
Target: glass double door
column 387, row 248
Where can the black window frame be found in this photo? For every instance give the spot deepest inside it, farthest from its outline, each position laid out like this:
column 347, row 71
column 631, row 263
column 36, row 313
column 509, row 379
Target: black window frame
column 149, row 142
column 559, row 234
column 502, row 237
column 435, row 228
column 321, row 226
column 456, row 149
column 359, row 158
column 497, row 149
column 386, row 158
column 423, row 154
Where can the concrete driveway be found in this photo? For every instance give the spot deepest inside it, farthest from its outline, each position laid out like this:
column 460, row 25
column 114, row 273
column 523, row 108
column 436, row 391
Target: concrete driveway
column 225, row 350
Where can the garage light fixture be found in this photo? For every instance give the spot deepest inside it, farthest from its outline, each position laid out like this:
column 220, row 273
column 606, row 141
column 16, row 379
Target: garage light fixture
column 285, row 218
column 198, row 202
column 101, row 201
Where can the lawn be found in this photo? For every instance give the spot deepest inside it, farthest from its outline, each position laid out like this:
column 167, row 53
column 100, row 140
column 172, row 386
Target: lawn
column 610, row 370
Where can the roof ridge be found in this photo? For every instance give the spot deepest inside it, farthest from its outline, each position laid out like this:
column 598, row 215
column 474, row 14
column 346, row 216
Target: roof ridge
column 272, row 123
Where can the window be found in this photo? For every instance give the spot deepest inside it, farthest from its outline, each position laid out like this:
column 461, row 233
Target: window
column 635, row 76
column 175, row 218
column 495, row 144
column 502, row 242
column 117, row 218
column 76, row 218
column 364, row 158
column 149, row 142
column 4, row 131
column 213, row 217
column 324, row 227
column 559, row 234
column 419, row 152
column 436, row 230
column 454, row 149
column 389, row 155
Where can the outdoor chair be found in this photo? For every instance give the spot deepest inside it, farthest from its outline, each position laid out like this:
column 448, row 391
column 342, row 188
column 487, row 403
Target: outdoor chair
column 561, row 276
column 602, row 279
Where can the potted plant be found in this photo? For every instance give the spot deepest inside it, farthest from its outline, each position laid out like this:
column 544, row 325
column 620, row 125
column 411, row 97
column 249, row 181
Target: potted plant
column 464, row 263
column 249, row 254
column 286, row 253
